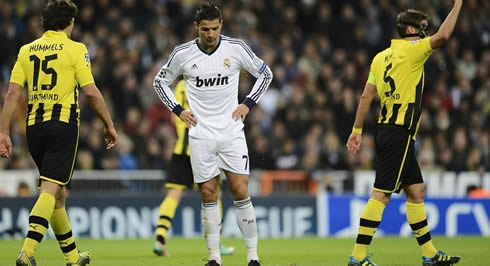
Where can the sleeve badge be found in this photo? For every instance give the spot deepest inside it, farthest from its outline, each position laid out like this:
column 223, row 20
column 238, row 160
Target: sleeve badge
column 87, row 59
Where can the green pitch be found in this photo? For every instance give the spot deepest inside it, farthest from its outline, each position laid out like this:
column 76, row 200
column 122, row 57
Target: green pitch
column 297, row 252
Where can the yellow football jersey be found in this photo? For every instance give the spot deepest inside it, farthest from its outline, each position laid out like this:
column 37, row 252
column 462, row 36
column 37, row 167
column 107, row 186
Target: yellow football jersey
column 54, row 68
column 182, row 144
column 398, row 73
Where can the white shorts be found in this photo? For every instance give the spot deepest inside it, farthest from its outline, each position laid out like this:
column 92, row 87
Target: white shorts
column 209, row 156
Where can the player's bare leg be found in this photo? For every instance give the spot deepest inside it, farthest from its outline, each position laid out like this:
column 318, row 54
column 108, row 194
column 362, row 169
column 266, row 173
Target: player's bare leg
column 417, row 219
column 211, row 218
column 245, row 214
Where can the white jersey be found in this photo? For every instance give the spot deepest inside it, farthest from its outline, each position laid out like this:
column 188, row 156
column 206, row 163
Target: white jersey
column 211, row 82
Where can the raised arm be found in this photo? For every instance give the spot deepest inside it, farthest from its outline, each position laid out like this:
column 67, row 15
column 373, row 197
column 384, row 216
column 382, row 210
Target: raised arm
column 447, row 27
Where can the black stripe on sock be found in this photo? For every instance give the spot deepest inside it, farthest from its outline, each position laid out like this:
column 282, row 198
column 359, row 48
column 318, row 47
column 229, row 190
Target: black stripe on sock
column 419, row 225
column 364, row 239
column 165, row 217
column 162, row 226
column 242, row 203
column 210, row 204
column 369, row 223
column 33, row 219
column 424, row 239
column 64, row 236
column 69, row 248
column 35, row 235
column 161, row 239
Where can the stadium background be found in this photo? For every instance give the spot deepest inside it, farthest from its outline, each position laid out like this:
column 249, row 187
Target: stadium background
column 304, row 181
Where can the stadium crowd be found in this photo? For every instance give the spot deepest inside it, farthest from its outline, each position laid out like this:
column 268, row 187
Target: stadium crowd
column 320, row 52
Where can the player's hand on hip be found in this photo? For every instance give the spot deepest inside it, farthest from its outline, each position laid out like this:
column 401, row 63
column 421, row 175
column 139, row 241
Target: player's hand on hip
column 354, row 143
column 188, row 117
column 110, row 137
column 240, row 112
column 5, row 145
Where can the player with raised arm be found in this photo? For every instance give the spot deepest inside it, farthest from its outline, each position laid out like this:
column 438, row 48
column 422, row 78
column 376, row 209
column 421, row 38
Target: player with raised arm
column 53, row 68
column 397, row 76
column 178, row 181
column 210, row 66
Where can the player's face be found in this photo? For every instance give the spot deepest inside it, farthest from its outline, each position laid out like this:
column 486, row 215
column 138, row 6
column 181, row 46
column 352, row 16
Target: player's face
column 209, row 31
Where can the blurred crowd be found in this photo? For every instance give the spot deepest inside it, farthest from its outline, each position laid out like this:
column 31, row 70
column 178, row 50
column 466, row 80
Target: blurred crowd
column 320, row 52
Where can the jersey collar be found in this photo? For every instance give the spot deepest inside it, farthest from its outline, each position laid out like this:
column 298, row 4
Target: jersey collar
column 400, row 42
column 52, row 33
column 204, row 51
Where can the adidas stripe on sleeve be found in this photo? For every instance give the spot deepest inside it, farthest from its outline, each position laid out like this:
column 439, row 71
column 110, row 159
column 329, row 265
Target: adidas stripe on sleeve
column 255, row 66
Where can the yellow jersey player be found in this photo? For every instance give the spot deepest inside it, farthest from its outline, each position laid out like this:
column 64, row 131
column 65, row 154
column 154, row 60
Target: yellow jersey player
column 397, row 76
column 179, row 179
column 53, row 68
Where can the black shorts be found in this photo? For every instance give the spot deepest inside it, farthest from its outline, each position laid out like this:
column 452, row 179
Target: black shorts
column 53, row 146
column 396, row 164
column 180, row 172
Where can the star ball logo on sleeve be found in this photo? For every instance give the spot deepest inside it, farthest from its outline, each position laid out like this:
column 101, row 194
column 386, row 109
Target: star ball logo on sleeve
column 87, row 59
column 162, row 74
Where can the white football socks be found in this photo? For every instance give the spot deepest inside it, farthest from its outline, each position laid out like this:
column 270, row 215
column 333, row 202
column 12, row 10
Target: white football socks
column 211, row 221
column 245, row 216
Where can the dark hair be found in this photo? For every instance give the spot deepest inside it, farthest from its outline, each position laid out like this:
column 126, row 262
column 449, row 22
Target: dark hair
column 58, row 14
column 208, row 11
column 410, row 17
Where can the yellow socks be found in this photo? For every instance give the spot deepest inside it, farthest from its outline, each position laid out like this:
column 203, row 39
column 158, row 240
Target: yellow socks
column 38, row 222
column 167, row 212
column 370, row 219
column 62, row 230
column 417, row 219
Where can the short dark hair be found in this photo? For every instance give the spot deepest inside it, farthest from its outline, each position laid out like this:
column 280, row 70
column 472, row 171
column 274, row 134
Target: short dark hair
column 58, row 14
column 208, row 11
column 409, row 17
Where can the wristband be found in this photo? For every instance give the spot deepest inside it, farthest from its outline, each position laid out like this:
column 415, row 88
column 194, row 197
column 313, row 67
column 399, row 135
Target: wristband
column 249, row 103
column 177, row 110
column 357, row 130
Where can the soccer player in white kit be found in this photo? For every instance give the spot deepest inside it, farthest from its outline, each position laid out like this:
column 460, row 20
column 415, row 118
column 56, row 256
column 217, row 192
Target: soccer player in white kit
column 210, row 66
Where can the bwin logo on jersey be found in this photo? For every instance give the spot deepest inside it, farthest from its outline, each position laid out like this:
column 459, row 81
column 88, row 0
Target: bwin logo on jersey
column 216, row 81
